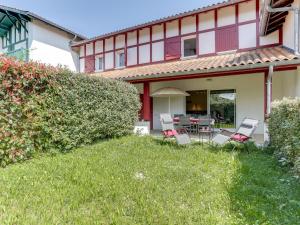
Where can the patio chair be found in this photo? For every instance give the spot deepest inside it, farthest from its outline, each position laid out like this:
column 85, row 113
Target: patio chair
column 242, row 135
column 206, row 126
column 185, row 122
column 168, row 130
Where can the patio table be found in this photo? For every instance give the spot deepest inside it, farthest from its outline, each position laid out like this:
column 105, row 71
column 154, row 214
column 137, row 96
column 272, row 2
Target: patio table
column 201, row 130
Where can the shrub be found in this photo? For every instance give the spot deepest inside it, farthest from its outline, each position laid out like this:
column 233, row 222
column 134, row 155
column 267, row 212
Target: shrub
column 284, row 128
column 85, row 109
column 45, row 108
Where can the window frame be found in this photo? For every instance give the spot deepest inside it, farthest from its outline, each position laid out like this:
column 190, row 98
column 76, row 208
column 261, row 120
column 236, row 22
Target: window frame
column 183, row 39
column 97, row 57
column 117, row 58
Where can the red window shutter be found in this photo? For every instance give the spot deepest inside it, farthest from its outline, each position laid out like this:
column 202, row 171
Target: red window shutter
column 173, row 48
column 89, row 64
column 226, row 39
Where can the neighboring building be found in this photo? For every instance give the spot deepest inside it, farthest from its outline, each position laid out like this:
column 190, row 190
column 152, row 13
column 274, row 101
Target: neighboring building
column 215, row 53
column 28, row 36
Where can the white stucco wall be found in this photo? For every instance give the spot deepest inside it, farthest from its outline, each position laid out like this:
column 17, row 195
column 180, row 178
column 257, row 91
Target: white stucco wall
column 144, row 53
column 226, row 16
column 51, row 46
column 286, row 84
column 249, row 91
column 132, row 56
column 157, row 32
column 158, row 51
column 172, row 28
column 144, row 35
column 288, row 28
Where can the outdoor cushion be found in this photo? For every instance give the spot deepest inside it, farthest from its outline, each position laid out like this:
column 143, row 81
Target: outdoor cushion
column 239, row 137
column 170, row 133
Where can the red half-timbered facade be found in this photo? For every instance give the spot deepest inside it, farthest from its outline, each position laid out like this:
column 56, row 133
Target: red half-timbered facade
column 241, row 51
column 230, row 27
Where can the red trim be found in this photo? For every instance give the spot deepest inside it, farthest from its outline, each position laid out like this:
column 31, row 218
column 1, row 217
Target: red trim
column 125, row 50
column 197, row 36
column 216, row 28
column 151, row 113
column 216, row 18
column 257, row 23
column 215, row 74
column 114, row 50
column 138, row 47
column 236, row 14
column 147, row 102
column 166, row 20
column 150, row 44
column 281, row 36
column 179, row 26
column 165, row 37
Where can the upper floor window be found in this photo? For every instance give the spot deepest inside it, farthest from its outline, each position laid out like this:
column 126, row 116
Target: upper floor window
column 189, row 46
column 120, row 59
column 99, row 63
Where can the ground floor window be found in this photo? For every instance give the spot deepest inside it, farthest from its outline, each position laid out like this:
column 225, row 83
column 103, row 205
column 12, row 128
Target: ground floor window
column 220, row 104
column 196, row 103
column 223, row 108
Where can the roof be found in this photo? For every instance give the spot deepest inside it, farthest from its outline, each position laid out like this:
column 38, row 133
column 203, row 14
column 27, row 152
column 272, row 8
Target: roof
column 165, row 19
column 243, row 60
column 271, row 22
column 9, row 16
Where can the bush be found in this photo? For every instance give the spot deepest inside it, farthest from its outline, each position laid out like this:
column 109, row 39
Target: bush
column 45, row 108
column 284, row 128
column 85, row 109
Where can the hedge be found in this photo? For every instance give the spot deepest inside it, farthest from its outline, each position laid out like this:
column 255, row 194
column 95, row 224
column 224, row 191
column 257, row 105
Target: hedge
column 45, row 108
column 284, row 128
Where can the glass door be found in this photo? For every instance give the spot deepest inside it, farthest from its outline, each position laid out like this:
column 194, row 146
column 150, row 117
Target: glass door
column 223, row 108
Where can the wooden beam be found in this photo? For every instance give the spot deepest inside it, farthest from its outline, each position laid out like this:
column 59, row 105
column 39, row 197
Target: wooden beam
column 282, row 3
column 3, row 18
column 269, row 31
column 276, row 22
column 18, row 19
column 275, row 16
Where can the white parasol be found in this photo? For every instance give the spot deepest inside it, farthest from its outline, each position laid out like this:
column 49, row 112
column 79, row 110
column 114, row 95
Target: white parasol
column 169, row 92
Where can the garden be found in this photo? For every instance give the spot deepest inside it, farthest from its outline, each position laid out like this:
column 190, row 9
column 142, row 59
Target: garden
column 69, row 157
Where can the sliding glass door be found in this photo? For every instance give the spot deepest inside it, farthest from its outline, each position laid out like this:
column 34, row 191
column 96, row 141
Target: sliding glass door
column 223, row 108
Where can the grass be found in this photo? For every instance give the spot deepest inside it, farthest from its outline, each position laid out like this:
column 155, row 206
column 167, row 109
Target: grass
column 143, row 181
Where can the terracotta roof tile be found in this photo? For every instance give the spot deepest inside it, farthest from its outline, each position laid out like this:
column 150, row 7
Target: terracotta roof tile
column 258, row 56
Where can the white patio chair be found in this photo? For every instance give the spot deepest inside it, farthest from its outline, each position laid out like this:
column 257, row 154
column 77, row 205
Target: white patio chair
column 169, row 131
column 242, row 135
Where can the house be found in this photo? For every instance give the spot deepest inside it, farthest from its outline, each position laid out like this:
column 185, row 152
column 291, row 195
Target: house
column 28, row 36
column 233, row 58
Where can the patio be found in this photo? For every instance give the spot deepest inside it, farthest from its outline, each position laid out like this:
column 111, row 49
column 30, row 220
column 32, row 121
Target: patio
column 257, row 138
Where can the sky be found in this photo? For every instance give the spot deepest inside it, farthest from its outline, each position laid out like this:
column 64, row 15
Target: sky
column 95, row 17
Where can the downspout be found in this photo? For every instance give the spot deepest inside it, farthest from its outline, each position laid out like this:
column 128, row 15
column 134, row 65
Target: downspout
column 269, row 89
column 296, row 23
column 269, row 102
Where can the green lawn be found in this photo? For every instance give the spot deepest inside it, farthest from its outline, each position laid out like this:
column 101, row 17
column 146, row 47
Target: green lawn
column 142, row 181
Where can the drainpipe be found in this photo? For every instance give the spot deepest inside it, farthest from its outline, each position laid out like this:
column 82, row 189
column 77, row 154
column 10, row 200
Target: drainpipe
column 269, row 101
column 296, row 22
column 269, row 89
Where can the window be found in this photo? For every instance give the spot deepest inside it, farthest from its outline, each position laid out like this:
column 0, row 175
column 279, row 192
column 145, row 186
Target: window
column 223, row 108
column 120, row 59
column 99, row 63
column 196, row 103
column 189, row 46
